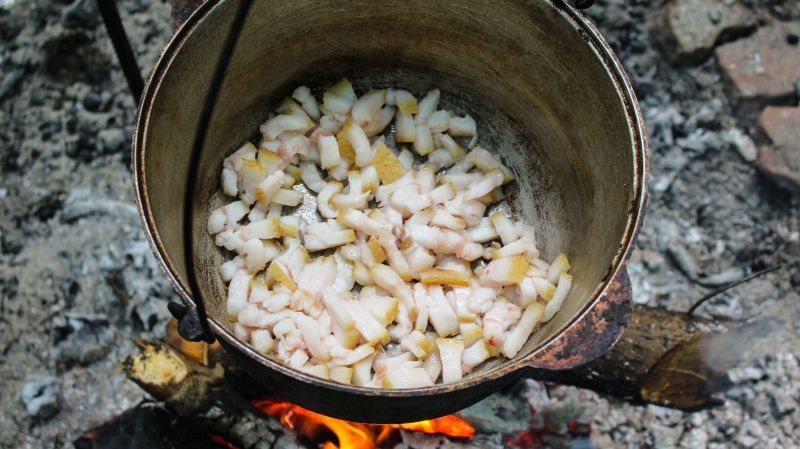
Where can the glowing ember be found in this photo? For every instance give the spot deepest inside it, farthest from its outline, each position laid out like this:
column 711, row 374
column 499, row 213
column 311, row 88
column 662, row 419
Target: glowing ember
column 328, row 431
column 218, row 440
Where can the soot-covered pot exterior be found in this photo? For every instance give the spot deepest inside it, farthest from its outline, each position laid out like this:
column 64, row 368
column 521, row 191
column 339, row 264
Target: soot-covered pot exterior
column 586, row 340
column 369, row 405
column 590, row 334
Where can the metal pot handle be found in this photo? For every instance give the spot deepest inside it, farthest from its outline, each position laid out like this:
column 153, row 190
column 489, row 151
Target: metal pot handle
column 594, row 333
column 182, row 9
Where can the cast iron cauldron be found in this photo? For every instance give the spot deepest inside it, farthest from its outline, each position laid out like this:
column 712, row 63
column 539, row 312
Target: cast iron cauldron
column 547, row 93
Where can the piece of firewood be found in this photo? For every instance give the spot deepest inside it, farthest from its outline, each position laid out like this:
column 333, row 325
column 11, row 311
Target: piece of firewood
column 666, row 358
column 198, row 393
column 170, row 377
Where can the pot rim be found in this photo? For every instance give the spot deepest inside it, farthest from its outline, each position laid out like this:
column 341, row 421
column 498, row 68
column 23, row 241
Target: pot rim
column 635, row 121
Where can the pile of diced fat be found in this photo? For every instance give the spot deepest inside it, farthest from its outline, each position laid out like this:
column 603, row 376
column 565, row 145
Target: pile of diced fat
column 404, row 282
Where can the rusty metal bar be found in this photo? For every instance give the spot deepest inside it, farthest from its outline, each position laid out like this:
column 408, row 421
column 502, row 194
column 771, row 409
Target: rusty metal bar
column 122, row 46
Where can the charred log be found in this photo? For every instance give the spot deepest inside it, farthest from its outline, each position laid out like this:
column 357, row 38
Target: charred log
column 198, row 408
column 666, row 358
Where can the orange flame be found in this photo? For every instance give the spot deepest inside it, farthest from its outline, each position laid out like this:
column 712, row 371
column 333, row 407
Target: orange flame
column 325, row 430
column 450, row 425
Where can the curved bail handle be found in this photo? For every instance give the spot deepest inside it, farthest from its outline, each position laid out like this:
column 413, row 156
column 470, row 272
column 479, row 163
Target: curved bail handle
column 595, row 333
column 182, row 9
column 193, row 322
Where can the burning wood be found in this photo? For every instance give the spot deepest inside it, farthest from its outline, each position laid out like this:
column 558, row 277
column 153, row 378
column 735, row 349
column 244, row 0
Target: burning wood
column 350, row 435
column 179, row 374
column 665, row 358
column 170, row 377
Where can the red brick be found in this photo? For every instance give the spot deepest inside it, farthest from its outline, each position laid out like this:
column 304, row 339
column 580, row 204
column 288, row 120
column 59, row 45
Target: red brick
column 780, row 160
column 781, row 125
column 764, row 65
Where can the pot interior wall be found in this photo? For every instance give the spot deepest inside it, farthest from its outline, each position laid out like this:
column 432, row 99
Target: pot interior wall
column 540, row 95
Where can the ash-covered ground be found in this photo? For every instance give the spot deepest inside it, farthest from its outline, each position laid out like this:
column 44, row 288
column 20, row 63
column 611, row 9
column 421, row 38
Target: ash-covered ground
column 78, row 281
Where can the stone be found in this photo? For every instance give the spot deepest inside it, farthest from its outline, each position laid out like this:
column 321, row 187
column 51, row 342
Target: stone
column 83, row 202
column 694, row 438
column 750, row 433
column 10, row 81
column 683, row 259
column 653, row 260
column 699, row 141
column 688, row 29
column 558, row 416
column 742, row 143
column 110, row 139
column 783, row 404
column 40, row 396
column 82, row 14
column 745, row 374
column 81, row 339
column 499, row 413
column 723, row 277
column 148, row 313
column 286, row 442
column 780, row 160
column 764, row 66
column 10, row 26
column 92, row 101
